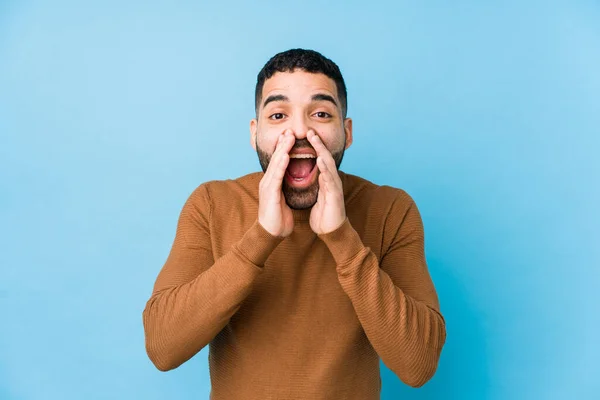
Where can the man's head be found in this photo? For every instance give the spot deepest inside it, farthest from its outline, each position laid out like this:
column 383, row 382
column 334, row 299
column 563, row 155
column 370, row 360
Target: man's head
column 300, row 90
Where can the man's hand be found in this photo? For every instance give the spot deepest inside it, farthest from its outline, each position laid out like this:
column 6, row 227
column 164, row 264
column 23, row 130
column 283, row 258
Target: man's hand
column 274, row 214
column 329, row 212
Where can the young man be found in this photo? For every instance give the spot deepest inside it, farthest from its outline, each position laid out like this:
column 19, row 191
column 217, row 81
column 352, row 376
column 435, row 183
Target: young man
column 300, row 277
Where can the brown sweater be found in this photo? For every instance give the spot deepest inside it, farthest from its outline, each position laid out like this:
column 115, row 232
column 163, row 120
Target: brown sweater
column 305, row 317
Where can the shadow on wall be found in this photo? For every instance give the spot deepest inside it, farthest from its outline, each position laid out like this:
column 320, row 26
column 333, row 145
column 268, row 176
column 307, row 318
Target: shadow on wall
column 463, row 370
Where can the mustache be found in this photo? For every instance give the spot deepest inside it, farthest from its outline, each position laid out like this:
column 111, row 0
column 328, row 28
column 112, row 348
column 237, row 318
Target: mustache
column 302, row 144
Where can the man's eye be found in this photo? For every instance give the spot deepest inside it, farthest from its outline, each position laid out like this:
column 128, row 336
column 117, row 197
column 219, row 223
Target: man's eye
column 276, row 116
column 323, row 114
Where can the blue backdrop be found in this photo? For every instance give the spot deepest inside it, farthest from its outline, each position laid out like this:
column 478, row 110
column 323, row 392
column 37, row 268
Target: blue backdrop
column 487, row 113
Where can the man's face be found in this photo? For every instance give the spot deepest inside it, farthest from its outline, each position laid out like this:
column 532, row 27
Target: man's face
column 300, row 101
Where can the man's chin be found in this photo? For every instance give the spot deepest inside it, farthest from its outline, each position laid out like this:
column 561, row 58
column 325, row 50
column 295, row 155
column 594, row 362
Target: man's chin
column 301, row 199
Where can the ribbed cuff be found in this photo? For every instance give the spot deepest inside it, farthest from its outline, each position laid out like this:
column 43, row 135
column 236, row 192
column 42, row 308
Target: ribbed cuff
column 344, row 243
column 257, row 244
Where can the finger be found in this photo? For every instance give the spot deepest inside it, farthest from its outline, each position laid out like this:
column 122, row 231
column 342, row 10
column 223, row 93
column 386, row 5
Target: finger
column 279, row 161
column 317, row 143
column 321, row 150
column 266, row 181
column 269, row 172
column 326, row 156
column 279, row 166
column 321, row 192
column 328, row 178
column 282, row 152
column 287, row 141
column 324, row 169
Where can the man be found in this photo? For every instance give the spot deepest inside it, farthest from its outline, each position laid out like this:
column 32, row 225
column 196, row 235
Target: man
column 300, row 277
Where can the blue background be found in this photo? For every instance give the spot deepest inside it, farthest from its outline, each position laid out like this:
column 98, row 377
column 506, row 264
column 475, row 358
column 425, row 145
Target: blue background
column 487, row 113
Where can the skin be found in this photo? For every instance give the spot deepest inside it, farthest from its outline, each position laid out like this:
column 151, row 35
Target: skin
column 297, row 110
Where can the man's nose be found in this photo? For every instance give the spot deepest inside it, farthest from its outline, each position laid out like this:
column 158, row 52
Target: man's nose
column 300, row 126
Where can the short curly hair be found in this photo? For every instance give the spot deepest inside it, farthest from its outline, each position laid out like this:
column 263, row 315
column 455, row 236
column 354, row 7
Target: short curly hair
column 306, row 60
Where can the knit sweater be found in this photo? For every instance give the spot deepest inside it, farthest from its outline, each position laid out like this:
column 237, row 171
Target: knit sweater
column 303, row 317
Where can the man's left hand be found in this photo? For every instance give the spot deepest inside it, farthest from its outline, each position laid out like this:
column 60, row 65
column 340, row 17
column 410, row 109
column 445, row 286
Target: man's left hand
column 329, row 212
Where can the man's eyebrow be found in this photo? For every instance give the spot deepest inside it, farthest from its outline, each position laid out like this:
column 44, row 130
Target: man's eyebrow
column 275, row 97
column 324, row 97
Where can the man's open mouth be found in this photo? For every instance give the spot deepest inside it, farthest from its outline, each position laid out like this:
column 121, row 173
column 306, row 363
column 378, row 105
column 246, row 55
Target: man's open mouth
column 301, row 168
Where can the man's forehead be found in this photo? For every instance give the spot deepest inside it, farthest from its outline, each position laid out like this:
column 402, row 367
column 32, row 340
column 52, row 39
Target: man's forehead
column 299, row 81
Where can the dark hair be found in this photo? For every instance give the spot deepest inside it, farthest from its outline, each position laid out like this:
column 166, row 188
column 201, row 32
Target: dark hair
column 307, row 60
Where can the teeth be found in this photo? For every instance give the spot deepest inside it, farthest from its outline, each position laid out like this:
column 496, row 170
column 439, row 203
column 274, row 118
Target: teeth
column 302, row 156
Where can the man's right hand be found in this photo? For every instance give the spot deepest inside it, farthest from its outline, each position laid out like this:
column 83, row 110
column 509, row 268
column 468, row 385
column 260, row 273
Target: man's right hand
column 274, row 214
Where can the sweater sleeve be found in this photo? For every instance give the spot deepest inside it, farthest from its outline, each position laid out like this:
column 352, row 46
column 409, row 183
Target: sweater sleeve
column 195, row 296
column 395, row 300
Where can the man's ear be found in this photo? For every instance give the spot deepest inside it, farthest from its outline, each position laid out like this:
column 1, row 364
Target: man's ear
column 348, row 131
column 253, row 128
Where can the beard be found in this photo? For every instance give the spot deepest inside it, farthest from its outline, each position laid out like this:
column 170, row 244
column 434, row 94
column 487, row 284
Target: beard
column 299, row 198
